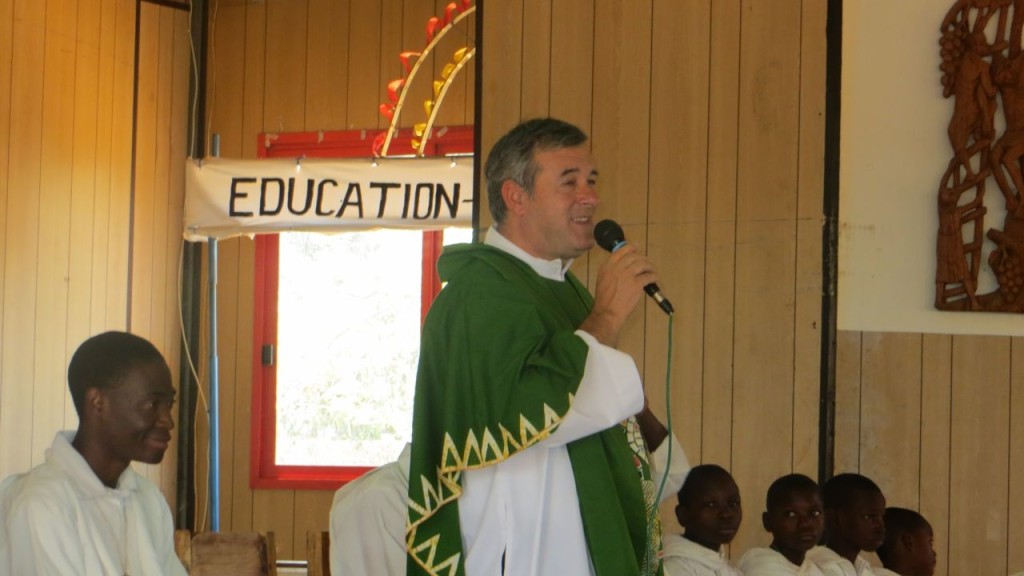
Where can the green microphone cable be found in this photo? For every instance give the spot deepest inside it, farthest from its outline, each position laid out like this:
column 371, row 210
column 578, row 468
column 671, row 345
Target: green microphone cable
column 668, row 460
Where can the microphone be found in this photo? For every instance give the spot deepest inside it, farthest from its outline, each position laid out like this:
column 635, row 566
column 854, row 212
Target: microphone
column 609, row 235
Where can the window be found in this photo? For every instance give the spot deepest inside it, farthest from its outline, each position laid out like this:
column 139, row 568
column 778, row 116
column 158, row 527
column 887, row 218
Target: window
column 336, row 340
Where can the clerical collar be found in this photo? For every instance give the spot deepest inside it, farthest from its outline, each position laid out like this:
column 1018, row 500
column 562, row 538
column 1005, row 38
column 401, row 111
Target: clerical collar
column 550, row 269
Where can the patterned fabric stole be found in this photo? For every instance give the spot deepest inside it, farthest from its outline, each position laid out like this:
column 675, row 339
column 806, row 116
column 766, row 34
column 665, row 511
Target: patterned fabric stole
column 641, row 458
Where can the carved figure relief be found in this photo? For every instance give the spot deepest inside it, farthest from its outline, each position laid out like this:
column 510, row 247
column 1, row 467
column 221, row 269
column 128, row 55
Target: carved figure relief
column 983, row 71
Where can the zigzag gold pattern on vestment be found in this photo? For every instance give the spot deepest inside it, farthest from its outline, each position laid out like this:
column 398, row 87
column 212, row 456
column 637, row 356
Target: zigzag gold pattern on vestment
column 475, row 453
column 450, row 565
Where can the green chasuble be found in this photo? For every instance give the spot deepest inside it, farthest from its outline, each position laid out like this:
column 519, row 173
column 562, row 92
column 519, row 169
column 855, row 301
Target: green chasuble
column 499, row 365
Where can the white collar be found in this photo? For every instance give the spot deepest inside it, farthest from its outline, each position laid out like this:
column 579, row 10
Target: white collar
column 64, row 455
column 550, row 269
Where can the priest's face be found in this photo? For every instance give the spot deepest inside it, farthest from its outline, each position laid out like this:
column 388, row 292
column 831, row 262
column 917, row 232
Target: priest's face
column 557, row 215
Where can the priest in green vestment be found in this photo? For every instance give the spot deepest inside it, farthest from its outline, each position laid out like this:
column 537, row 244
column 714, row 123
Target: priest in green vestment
column 528, row 458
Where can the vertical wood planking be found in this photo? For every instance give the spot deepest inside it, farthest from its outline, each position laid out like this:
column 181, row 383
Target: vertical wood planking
column 677, row 215
column 981, row 419
column 720, row 260
column 83, row 220
column 145, row 169
column 765, row 247
column 810, row 201
column 255, row 77
column 283, row 106
column 364, row 65
column 6, row 91
column 572, row 62
column 1015, row 530
column 891, row 415
column 327, row 57
column 21, row 242
column 311, row 514
column 175, row 207
column 936, row 398
column 621, row 131
column 123, row 110
column 233, row 391
column 537, row 59
column 243, row 499
column 848, row 401
column 157, row 220
column 501, row 83
column 52, row 226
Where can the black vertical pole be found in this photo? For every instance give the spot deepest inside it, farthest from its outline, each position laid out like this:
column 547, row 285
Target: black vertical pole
column 830, row 240
column 191, row 286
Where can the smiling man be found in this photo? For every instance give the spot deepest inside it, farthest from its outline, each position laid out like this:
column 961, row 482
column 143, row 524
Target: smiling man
column 531, row 440
column 84, row 510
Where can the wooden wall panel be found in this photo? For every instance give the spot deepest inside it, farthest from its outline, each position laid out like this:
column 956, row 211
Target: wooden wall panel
column 503, row 23
column 155, row 235
column 84, row 205
column 848, row 401
column 327, row 57
column 936, row 399
column 621, row 133
column 719, row 264
column 52, row 231
column 121, row 151
column 572, row 63
column 285, row 88
column 810, row 222
column 980, row 419
column 68, row 102
column 677, row 215
column 1015, row 514
column 535, row 92
column 766, row 226
column 6, row 91
column 22, row 215
column 365, row 86
column 934, row 420
column 890, row 416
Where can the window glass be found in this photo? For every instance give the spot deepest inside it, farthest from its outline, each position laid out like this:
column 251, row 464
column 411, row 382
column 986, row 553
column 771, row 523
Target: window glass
column 347, row 344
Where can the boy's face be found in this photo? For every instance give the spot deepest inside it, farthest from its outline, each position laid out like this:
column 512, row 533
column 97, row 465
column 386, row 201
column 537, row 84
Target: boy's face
column 136, row 420
column 922, row 551
column 796, row 523
column 712, row 513
column 862, row 522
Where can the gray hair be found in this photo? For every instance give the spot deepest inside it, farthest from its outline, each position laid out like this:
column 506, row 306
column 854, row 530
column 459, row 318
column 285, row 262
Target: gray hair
column 512, row 157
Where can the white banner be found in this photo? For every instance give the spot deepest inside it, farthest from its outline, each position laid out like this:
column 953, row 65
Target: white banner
column 232, row 197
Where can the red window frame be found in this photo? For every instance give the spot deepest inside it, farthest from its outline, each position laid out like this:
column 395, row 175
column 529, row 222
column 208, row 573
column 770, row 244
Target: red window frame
column 264, row 471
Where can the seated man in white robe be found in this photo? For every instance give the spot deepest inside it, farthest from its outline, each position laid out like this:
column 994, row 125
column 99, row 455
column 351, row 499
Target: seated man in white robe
column 84, row 510
column 368, row 521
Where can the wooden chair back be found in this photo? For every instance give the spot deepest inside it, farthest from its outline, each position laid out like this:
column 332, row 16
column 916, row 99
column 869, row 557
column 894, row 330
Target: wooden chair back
column 318, row 553
column 227, row 553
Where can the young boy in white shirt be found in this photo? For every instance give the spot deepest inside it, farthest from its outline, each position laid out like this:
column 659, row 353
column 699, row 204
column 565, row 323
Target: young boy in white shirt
column 795, row 518
column 908, row 549
column 710, row 512
column 854, row 523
